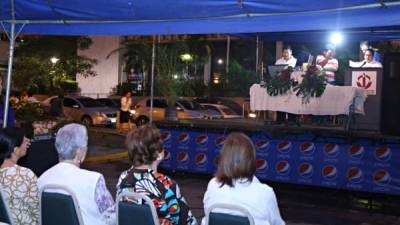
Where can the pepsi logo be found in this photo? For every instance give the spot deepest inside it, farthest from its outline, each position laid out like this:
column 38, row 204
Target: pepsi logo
column 219, row 141
column 202, row 139
column 329, row 172
column 261, row 164
column 381, row 178
column 355, row 175
column 356, row 151
column 183, row 157
column 165, row 136
column 331, row 150
column 167, row 155
column 284, row 146
column 306, row 170
column 307, row 148
column 201, row 159
column 183, row 138
column 282, row 167
column 262, row 145
column 216, row 160
column 383, row 154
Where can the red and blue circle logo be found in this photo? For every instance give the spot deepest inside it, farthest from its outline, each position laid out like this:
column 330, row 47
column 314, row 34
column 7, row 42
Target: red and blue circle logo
column 167, row 156
column 331, row 150
column 355, row 175
column 356, row 152
column 383, row 154
column 183, row 138
column 219, row 141
column 329, row 172
column 284, row 147
column 202, row 139
column 201, row 159
column 262, row 145
column 381, row 177
column 183, row 157
column 282, row 167
column 261, row 165
column 307, row 148
column 306, row 170
column 165, row 136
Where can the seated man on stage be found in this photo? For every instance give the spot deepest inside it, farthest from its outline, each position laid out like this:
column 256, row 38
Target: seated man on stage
column 287, row 57
column 368, row 62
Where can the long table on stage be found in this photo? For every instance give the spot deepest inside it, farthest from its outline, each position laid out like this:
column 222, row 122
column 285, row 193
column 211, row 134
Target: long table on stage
column 336, row 100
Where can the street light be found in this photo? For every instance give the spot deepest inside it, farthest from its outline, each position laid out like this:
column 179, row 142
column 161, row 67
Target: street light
column 54, row 60
column 187, row 58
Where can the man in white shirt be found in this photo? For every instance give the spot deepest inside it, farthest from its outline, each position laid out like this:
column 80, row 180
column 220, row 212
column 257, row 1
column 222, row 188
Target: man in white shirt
column 287, row 58
column 329, row 63
column 368, row 62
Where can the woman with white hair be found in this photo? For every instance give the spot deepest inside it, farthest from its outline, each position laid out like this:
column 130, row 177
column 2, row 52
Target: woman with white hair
column 96, row 202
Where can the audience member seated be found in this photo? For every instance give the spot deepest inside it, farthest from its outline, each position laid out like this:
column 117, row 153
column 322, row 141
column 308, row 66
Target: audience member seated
column 235, row 183
column 145, row 151
column 96, row 202
column 19, row 184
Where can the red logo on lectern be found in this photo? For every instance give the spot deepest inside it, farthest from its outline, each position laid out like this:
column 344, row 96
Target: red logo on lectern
column 364, row 81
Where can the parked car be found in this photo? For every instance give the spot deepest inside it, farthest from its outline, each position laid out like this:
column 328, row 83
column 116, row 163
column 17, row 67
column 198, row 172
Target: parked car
column 186, row 109
column 243, row 110
column 110, row 102
column 84, row 109
column 225, row 111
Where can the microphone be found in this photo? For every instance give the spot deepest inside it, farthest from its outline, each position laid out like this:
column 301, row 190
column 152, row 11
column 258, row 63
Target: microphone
column 365, row 62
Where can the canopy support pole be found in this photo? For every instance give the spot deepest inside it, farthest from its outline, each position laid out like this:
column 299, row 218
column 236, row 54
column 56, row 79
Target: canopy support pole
column 153, row 62
column 9, row 69
column 228, row 49
column 257, row 53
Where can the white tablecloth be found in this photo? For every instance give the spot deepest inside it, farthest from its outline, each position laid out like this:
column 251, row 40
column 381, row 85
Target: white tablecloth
column 335, row 100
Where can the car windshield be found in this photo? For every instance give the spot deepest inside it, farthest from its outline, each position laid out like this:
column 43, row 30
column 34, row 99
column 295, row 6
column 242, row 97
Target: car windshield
column 190, row 105
column 89, row 102
column 228, row 111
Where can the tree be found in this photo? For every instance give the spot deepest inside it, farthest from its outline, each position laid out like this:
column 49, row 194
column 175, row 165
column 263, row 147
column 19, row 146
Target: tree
column 33, row 70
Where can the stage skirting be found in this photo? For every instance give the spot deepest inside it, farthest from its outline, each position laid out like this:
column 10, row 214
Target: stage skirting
column 362, row 165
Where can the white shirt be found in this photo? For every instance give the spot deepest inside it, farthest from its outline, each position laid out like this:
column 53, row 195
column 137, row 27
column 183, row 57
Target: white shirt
column 291, row 62
column 82, row 183
column 365, row 64
column 259, row 199
column 126, row 103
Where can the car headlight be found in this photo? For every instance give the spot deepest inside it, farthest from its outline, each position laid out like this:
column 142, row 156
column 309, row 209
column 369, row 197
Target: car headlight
column 252, row 115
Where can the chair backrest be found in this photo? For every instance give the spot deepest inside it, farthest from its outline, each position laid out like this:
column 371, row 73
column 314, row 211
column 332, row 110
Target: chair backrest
column 136, row 214
column 4, row 210
column 59, row 205
column 215, row 218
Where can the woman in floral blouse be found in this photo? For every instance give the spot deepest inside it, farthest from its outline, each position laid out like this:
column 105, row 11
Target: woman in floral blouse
column 18, row 184
column 145, row 151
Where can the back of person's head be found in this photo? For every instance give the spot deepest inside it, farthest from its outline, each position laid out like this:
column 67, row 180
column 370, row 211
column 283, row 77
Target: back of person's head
column 69, row 139
column 7, row 145
column 144, row 145
column 237, row 160
column 17, row 134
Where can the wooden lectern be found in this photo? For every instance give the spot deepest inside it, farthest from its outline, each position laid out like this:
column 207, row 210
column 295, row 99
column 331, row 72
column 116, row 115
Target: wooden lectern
column 369, row 79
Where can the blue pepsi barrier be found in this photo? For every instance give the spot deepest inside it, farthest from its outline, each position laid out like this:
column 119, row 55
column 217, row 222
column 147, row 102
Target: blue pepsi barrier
column 298, row 159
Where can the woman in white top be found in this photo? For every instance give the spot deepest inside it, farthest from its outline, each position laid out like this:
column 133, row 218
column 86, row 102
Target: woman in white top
column 95, row 201
column 124, row 114
column 235, row 183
